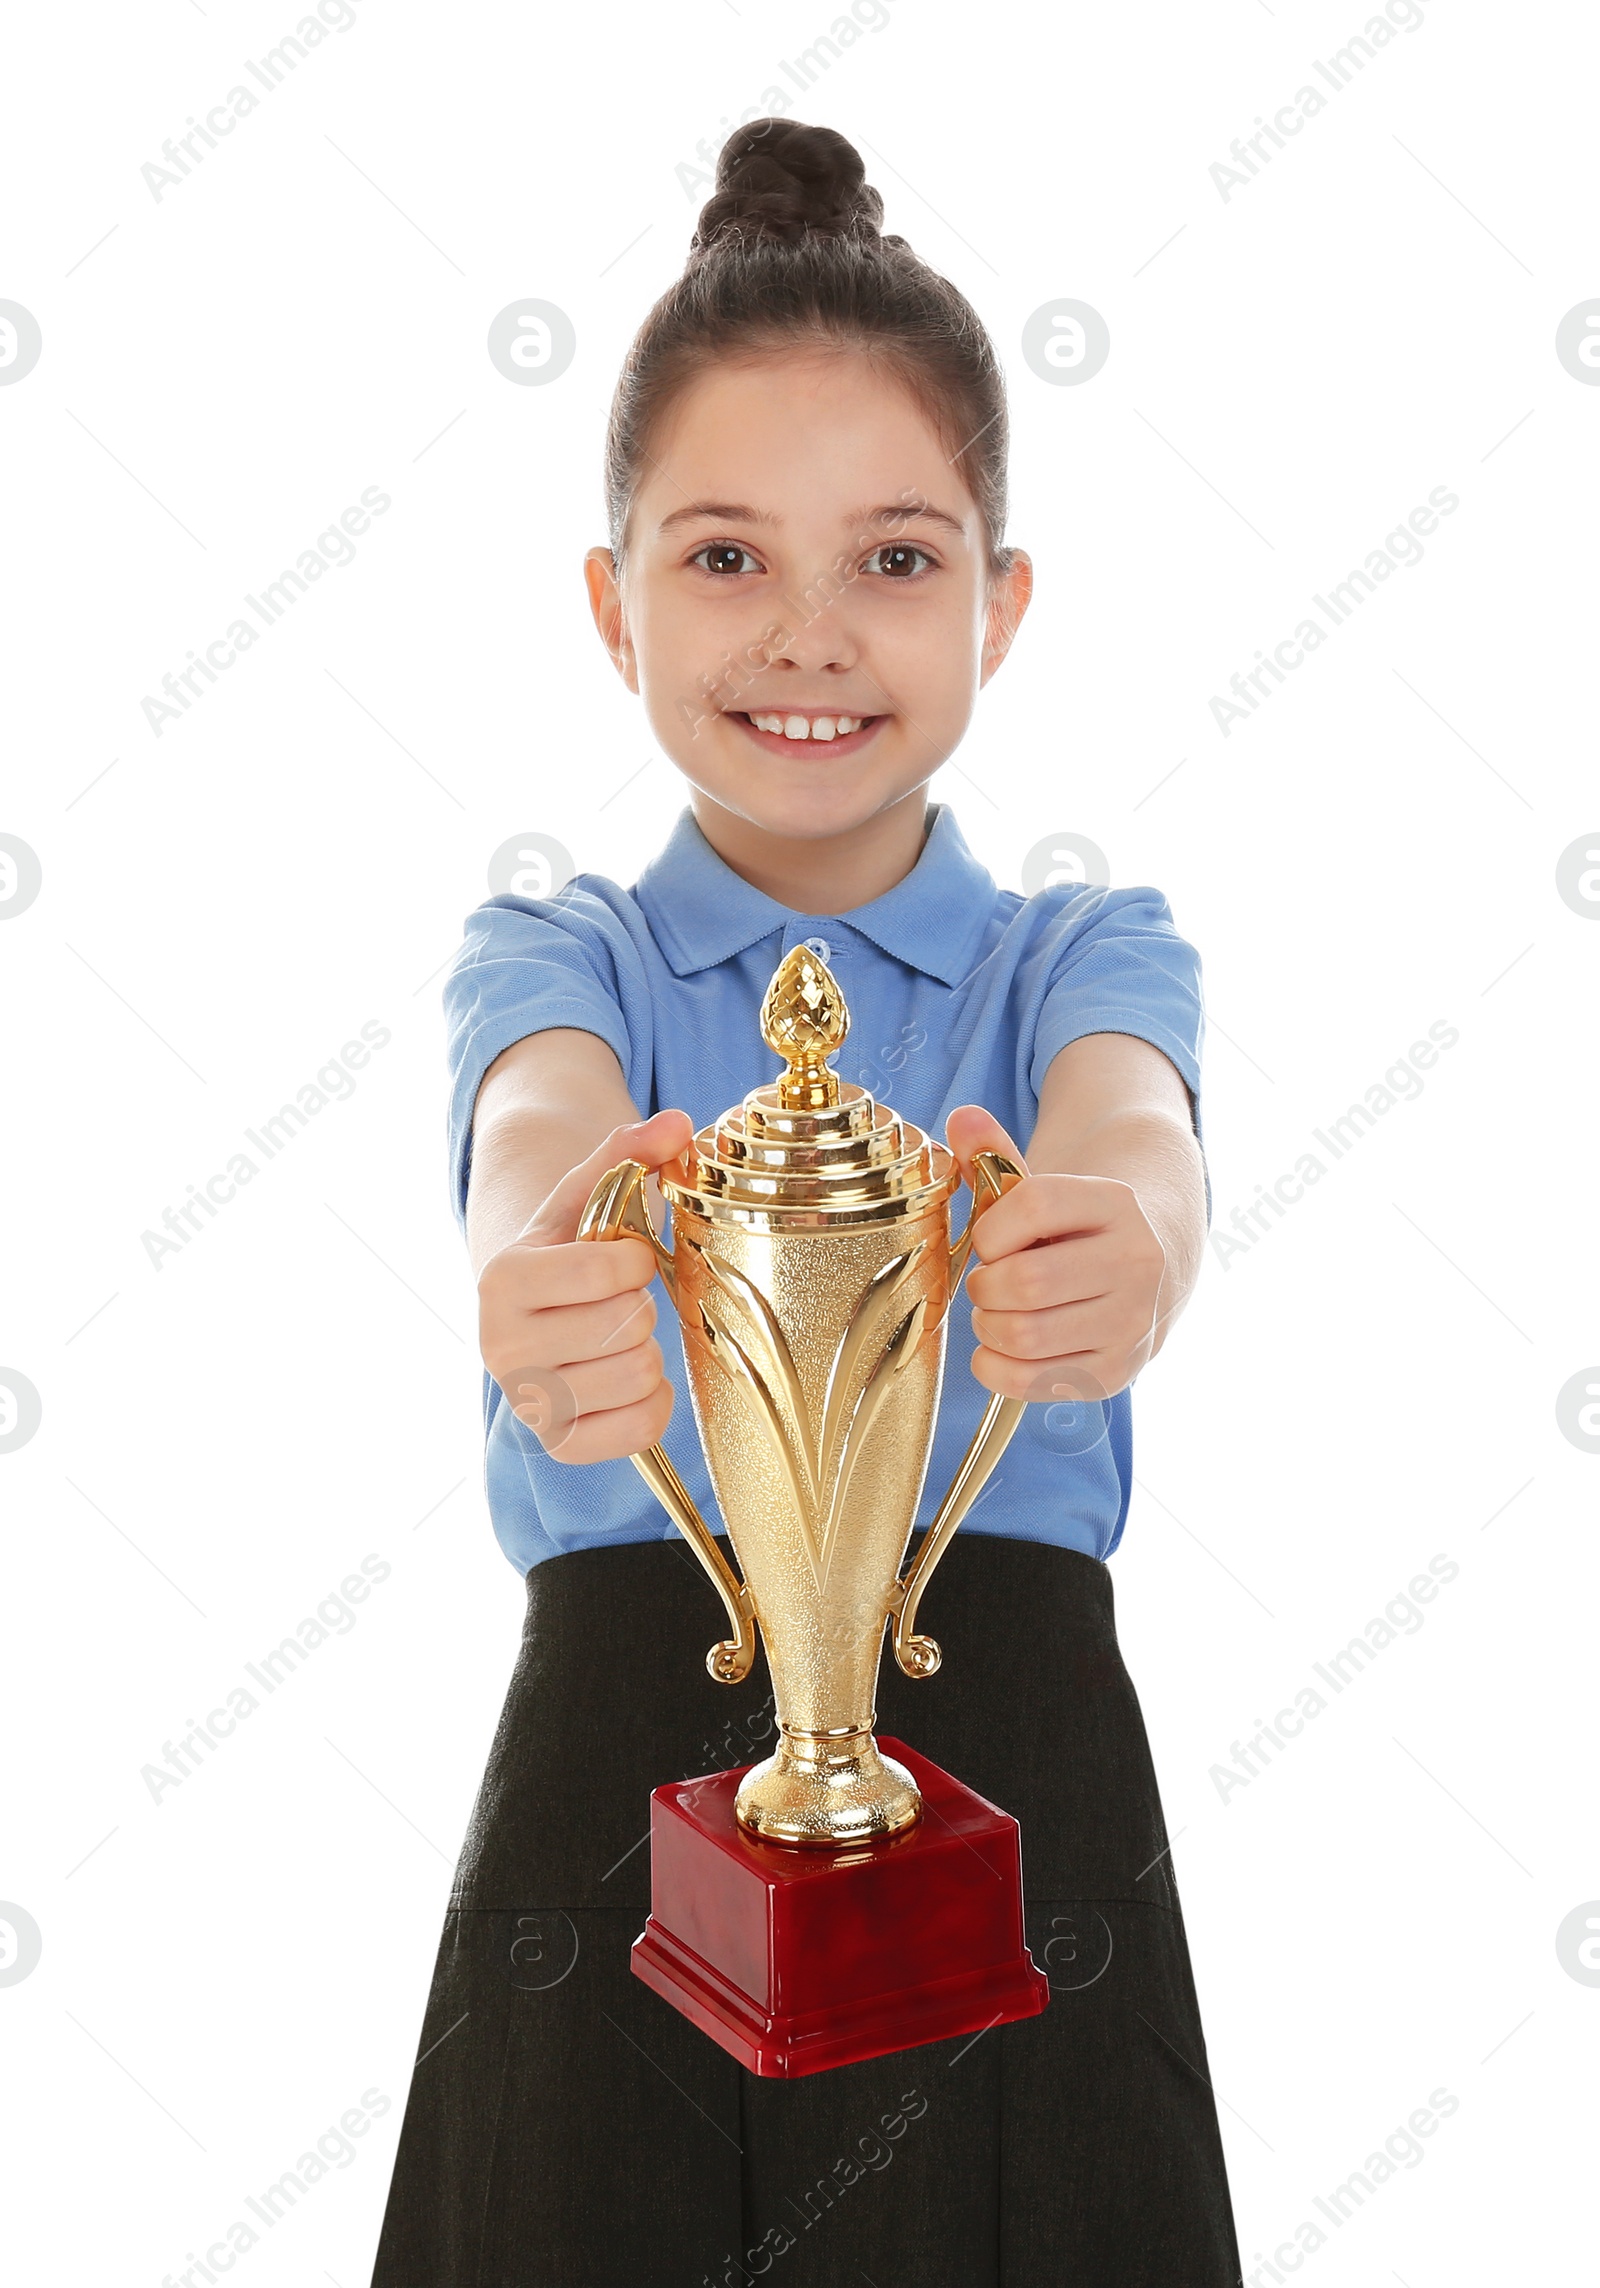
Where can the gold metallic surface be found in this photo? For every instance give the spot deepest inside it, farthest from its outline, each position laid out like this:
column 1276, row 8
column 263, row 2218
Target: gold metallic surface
column 804, row 1018
column 812, row 1270
column 618, row 1205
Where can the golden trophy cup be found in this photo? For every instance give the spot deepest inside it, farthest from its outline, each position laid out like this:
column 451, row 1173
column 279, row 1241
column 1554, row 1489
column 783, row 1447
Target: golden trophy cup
column 812, row 1268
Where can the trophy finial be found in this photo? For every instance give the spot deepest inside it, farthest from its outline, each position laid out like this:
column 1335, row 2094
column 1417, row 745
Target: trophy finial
column 805, row 1019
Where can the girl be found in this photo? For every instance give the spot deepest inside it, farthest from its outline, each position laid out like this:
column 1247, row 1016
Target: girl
column 807, row 584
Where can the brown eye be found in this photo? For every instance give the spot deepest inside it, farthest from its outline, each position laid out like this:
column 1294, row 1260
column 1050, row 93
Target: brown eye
column 893, row 561
column 725, row 557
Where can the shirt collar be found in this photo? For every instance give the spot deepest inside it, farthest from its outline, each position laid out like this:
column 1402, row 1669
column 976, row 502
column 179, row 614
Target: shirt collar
column 701, row 912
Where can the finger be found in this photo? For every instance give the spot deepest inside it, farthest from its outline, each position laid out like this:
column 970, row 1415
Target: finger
column 969, row 1130
column 527, row 1277
column 1056, row 1210
column 1099, row 1324
column 1081, row 1375
column 1072, row 1270
column 618, row 1431
column 567, row 1332
column 542, row 1401
column 562, row 1395
column 599, row 1330
column 602, row 1383
column 652, row 1142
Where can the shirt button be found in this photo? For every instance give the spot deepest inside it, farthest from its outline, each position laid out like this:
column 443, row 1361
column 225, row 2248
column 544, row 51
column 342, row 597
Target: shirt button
column 820, row 947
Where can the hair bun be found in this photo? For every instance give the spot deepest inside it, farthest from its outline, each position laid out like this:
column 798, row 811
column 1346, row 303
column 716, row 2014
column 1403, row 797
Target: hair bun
column 780, row 179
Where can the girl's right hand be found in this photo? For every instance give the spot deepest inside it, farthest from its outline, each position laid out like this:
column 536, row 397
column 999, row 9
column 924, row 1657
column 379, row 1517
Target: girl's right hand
column 564, row 1324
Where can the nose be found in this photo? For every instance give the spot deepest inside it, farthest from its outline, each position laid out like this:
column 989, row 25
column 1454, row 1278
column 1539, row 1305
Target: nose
column 814, row 636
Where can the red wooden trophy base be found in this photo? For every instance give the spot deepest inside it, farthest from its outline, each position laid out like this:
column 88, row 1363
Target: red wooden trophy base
column 797, row 1960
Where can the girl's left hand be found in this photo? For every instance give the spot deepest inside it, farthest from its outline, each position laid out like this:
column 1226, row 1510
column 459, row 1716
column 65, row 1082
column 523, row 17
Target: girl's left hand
column 1066, row 1291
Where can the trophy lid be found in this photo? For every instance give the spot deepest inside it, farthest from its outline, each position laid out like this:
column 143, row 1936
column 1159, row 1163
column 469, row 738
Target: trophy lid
column 809, row 1151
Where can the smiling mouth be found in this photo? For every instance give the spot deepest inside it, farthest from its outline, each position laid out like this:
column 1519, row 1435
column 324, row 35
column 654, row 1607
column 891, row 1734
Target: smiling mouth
column 802, row 727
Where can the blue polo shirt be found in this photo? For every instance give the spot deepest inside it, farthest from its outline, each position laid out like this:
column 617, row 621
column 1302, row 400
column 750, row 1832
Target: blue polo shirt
column 959, row 992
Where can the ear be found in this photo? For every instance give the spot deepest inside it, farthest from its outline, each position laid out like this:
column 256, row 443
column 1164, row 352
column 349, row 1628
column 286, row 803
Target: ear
column 1009, row 597
column 610, row 617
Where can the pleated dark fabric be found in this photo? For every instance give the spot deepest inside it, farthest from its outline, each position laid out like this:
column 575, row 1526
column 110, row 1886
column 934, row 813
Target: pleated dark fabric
column 566, row 2128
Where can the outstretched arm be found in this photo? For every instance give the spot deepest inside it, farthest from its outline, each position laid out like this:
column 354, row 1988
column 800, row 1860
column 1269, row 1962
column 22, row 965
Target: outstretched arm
column 564, row 1326
column 1083, row 1267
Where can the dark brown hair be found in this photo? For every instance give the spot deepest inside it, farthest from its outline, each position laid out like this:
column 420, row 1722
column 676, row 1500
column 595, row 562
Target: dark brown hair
column 788, row 252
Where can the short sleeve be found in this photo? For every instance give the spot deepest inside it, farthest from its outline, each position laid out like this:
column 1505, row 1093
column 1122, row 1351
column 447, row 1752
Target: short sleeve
column 1120, row 966
column 525, row 966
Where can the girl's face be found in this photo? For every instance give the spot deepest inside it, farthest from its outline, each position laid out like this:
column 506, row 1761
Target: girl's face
column 804, row 559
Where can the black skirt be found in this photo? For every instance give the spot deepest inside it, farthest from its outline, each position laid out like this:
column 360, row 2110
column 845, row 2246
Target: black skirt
column 566, row 2127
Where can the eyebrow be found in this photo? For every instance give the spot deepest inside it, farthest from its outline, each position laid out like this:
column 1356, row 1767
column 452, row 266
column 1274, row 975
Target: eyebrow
column 740, row 512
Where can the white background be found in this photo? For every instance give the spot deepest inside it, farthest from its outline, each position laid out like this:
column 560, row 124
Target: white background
column 1371, row 1384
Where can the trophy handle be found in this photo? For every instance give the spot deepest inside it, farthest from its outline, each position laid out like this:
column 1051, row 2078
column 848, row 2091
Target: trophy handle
column 616, row 1207
column 994, row 1174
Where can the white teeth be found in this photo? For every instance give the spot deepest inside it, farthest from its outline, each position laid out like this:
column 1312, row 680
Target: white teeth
column 809, row 727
